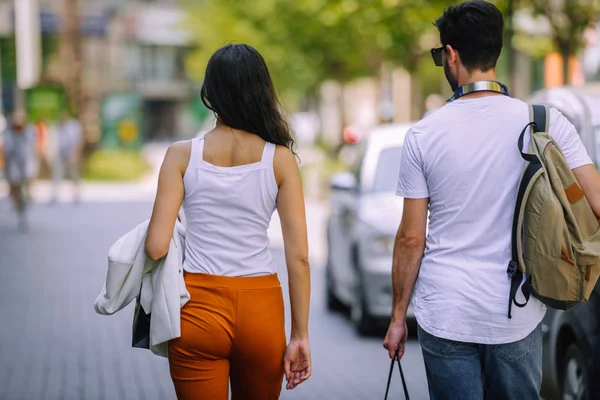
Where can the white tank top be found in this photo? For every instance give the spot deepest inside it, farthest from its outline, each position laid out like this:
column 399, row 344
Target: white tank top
column 227, row 212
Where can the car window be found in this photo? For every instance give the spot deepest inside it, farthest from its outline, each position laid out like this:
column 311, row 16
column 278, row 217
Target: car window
column 358, row 160
column 388, row 167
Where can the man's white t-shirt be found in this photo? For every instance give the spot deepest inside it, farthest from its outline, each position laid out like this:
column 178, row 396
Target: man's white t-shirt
column 465, row 159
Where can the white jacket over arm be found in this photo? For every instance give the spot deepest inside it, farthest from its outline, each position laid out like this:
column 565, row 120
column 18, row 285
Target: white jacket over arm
column 159, row 284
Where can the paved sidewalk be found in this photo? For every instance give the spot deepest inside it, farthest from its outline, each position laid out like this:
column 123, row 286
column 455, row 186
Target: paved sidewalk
column 53, row 346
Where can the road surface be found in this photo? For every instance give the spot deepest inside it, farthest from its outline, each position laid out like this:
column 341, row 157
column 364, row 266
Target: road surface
column 53, row 346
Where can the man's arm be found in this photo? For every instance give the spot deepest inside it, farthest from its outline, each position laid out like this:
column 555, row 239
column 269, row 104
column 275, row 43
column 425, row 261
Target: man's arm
column 589, row 180
column 408, row 253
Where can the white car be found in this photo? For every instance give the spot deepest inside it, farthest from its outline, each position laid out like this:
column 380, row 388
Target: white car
column 365, row 215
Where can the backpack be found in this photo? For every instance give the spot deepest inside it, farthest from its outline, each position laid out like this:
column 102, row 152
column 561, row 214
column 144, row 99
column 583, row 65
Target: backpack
column 555, row 233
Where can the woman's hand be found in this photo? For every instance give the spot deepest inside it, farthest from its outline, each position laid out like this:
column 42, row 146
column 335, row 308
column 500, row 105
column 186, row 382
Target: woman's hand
column 297, row 362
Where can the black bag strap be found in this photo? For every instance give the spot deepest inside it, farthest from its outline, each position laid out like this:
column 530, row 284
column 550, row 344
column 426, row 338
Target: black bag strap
column 539, row 124
column 396, row 359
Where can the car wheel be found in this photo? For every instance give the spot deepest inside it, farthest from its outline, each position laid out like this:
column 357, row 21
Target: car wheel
column 359, row 313
column 575, row 383
column 333, row 302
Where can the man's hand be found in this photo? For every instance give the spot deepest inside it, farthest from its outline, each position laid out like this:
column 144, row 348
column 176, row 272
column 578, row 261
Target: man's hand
column 395, row 340
column 297, row 362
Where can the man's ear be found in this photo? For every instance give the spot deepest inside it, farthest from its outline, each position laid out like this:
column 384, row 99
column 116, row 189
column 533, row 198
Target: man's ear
column 451, row 55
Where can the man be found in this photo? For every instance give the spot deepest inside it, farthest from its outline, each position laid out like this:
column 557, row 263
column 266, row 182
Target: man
column 21, row 163
column 68, row 146
column 462, row 165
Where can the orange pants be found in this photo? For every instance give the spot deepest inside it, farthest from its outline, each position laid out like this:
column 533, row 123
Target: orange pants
column 232, row 328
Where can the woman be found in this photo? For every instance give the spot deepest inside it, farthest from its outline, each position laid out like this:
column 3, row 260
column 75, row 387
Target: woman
column 230, row 182
column 20, row 160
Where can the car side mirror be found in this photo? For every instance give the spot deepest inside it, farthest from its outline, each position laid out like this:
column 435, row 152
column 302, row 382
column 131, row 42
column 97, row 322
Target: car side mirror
column 344, row 181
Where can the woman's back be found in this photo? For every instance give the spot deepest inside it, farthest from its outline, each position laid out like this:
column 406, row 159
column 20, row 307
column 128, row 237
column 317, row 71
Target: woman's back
column 229, row 183
column 230, row 196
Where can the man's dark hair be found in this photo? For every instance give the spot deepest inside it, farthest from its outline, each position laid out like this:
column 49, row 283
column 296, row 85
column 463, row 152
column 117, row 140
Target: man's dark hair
column 475, row 29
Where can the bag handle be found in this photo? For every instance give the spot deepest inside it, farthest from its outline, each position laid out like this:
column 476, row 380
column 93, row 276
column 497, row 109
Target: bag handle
column 397, row 359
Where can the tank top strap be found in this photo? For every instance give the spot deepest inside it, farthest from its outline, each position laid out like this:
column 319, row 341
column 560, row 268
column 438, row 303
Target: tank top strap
column 197, row 152
column 268, row 154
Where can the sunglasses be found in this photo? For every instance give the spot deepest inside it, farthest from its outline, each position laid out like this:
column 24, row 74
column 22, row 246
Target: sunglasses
column 437, row 54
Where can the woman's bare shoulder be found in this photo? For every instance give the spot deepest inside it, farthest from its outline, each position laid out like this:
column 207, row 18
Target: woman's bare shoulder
column 284, row 154
column 179, row 153
column 285, row 163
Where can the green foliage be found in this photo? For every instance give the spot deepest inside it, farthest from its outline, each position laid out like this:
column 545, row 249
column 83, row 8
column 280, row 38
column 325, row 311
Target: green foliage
column 568, row 20
column 308, row 41
column 115, row 165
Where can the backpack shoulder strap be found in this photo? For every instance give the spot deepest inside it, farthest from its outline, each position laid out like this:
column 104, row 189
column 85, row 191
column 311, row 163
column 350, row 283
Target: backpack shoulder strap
column 539, row 115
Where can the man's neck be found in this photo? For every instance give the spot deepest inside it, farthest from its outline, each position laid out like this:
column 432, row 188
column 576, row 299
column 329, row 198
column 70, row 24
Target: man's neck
column 478, row 76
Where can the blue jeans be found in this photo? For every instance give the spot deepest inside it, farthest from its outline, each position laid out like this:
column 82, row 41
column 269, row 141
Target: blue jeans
column 470, row 371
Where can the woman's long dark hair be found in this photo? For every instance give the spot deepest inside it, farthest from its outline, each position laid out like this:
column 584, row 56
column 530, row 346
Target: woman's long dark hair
column 238, row 88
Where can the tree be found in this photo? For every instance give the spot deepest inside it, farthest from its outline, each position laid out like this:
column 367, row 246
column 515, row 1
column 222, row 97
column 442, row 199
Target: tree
column 304, row 43
column 307, row 42
column 568, row 20
column 509, row 35
column 70, row 44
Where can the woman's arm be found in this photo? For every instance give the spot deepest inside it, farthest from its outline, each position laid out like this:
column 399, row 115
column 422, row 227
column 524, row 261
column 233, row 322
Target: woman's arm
column 169, row 197
column 290, row 205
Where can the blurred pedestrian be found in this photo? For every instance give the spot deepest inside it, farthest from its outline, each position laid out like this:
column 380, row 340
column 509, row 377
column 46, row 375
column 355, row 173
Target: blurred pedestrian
column 461, row 165
column 42, row 128
column 230, row 182
column 20, row 161
column 68, row 146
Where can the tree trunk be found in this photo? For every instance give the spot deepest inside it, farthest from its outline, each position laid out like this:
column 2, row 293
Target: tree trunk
column 510, row 11
column 71, row 56
column 566, row 70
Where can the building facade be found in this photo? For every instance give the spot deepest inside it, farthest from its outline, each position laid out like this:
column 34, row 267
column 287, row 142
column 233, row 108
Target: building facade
column 132, row 53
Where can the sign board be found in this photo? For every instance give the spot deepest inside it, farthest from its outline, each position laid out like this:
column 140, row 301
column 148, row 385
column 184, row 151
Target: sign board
column 91, row 24
column 121, row 118
column 161, row 26
column 45, row 103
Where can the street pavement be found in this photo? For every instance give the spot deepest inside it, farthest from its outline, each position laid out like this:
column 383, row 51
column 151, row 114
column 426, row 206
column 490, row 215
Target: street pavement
column 54, row 347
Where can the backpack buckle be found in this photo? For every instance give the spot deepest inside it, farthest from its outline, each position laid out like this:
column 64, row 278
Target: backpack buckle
column 512, row 268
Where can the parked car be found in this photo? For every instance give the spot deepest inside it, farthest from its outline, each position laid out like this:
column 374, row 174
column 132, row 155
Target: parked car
column 571, row 345
column 365, row 214
column 571, row 340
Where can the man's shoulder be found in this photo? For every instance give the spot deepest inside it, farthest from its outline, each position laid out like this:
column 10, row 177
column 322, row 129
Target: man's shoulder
column 452, row 113
column 432, row 120
column 429, row 121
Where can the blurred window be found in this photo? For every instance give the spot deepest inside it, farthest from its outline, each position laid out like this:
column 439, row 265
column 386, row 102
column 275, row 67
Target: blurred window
column 147, row 57
column 161, row 63
column 165, row 59
column 388, row 167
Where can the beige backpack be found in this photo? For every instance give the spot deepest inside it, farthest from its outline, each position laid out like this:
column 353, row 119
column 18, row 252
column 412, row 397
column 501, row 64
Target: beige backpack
column 556, row 235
